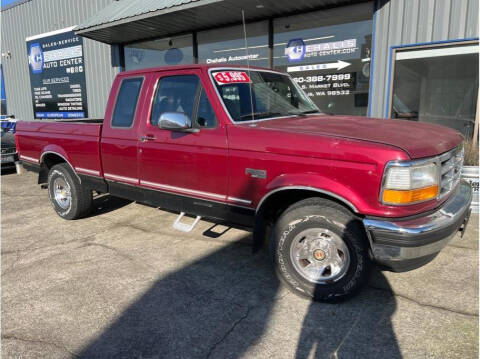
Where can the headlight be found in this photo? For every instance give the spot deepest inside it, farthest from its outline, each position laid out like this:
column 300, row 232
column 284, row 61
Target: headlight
column 410, row 182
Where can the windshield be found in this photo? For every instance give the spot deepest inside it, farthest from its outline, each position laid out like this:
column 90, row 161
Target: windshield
column 272, row 95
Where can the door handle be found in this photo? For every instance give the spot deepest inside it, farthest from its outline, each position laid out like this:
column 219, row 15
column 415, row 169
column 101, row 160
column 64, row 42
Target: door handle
column 147, row 138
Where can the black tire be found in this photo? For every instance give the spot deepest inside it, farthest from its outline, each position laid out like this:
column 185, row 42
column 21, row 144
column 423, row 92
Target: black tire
column 321, row 213
column 81, row 199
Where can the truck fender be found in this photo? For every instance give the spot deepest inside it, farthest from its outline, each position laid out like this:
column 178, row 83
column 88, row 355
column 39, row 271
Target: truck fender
column 312, row 182
column 58, row 151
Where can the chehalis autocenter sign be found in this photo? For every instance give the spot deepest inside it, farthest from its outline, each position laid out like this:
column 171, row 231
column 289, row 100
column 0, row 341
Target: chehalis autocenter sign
column 57, row 75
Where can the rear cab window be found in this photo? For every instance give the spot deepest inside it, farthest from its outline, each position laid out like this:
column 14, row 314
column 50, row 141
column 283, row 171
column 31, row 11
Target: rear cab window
column 126, row 102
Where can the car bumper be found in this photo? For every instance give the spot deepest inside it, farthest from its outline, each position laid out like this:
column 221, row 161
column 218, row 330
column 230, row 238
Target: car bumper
column 405, row 244
column 8, row 159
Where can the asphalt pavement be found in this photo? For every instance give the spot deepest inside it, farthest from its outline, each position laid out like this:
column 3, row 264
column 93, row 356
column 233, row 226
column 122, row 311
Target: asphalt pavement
column 124, row 284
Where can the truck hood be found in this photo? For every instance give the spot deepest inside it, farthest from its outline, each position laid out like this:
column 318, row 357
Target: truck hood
column 417, row 139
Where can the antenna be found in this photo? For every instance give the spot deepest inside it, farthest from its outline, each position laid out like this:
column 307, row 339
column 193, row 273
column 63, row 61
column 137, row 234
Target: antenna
column 248, row 62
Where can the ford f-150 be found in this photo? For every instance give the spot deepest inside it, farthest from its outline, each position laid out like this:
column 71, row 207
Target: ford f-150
column 329, row 195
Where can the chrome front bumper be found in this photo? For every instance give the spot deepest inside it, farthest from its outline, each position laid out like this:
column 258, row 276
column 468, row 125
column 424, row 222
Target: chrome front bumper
column 405, row 244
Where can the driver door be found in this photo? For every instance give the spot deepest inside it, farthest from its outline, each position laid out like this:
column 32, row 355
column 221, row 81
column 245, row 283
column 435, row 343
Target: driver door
column 193, row 165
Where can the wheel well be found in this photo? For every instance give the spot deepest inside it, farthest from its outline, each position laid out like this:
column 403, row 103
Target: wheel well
column 48, row 161
column 279, row 201
column 275, row 204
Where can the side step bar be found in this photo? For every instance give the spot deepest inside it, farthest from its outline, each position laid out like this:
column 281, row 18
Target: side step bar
column 183, row 227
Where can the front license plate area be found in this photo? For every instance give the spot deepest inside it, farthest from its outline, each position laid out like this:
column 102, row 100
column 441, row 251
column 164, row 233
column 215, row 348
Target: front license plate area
column 7, row 159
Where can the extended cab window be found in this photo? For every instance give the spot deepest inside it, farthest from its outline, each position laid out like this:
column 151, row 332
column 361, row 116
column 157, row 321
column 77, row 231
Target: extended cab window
column 183, row 93
column 127, row 98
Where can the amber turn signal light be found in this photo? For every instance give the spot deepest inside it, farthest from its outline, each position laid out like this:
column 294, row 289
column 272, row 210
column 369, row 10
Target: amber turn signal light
column 392, row 196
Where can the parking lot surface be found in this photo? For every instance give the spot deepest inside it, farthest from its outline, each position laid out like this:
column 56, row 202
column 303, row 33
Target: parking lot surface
column 123, row 284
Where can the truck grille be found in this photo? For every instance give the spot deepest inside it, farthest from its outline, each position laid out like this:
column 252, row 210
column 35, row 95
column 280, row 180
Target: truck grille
column 451, row 164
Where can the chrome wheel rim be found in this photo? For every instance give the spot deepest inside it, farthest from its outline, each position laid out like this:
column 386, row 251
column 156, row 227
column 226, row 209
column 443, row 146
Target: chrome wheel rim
column 319, row 255
column 61, row 192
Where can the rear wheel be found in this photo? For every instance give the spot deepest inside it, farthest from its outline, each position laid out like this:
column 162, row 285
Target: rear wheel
column 319, row 250
column 69, row 198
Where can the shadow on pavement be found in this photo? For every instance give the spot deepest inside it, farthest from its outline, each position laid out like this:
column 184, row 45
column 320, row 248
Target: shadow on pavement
column 105, row 203
column 221, row 305
column 358, row 328
column 214, row 232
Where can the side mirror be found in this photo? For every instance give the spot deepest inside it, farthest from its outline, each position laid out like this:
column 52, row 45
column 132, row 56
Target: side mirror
column 176, row 121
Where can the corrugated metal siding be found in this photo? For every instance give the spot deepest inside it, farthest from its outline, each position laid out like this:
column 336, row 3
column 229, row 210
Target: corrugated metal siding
column 404, row 22
column 119, row 10
column 125, row 9
column 135, row 20
column 40, row 16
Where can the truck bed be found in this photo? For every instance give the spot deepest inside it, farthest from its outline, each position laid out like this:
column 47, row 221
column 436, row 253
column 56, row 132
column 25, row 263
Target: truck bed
column 80, row 120
column 77, row 141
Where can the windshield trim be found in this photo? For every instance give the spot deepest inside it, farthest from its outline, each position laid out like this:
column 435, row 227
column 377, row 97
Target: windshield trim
column 210, row 70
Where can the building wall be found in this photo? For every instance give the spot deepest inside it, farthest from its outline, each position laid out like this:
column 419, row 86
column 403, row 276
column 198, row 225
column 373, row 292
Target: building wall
column 40, row 16
column 396, row 22
column 403, row 22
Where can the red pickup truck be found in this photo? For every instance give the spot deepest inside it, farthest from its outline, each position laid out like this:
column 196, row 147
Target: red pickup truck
column 330, row 194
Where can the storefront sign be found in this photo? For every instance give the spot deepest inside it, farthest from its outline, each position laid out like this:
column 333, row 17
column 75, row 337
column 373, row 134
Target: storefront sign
column 297, row 50
column 338, row 84
column 226, row 59
column 57, row 75
column 332, row 65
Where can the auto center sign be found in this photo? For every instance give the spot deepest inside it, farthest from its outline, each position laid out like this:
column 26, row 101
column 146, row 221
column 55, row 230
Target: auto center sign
column 57, row 75
column 297, row 50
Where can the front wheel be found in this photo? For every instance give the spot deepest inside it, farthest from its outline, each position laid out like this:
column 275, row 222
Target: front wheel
column 320, row 250
column 69, row 198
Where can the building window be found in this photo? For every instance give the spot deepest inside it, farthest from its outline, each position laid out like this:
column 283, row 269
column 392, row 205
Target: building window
column 227, row 45
column 162, row 52
column 328, row 54
column 437, row 84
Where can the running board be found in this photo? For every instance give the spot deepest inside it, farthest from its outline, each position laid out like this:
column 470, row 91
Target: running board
column 183, row 227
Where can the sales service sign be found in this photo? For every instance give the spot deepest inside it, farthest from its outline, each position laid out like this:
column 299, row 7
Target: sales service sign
column 57, row 75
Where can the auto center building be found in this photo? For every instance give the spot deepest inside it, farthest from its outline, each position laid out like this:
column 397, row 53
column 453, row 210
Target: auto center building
column 412, row 59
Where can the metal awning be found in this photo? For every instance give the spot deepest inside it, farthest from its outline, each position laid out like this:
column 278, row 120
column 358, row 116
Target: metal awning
column 125, row 21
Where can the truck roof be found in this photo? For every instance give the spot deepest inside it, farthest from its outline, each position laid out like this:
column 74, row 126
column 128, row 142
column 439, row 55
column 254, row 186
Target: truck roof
column 190, row 66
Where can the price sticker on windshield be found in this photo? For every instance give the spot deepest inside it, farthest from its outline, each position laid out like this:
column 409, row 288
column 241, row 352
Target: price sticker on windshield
column 231, row 77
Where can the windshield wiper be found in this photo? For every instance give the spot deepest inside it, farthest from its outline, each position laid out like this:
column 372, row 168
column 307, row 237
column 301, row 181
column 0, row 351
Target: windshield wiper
column 258, row 115
column 304, row 113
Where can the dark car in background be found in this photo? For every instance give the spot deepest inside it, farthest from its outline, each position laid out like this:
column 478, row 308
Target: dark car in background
column 9, row 150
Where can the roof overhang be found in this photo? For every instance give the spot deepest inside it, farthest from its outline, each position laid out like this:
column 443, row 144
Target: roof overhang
column 128, row 21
